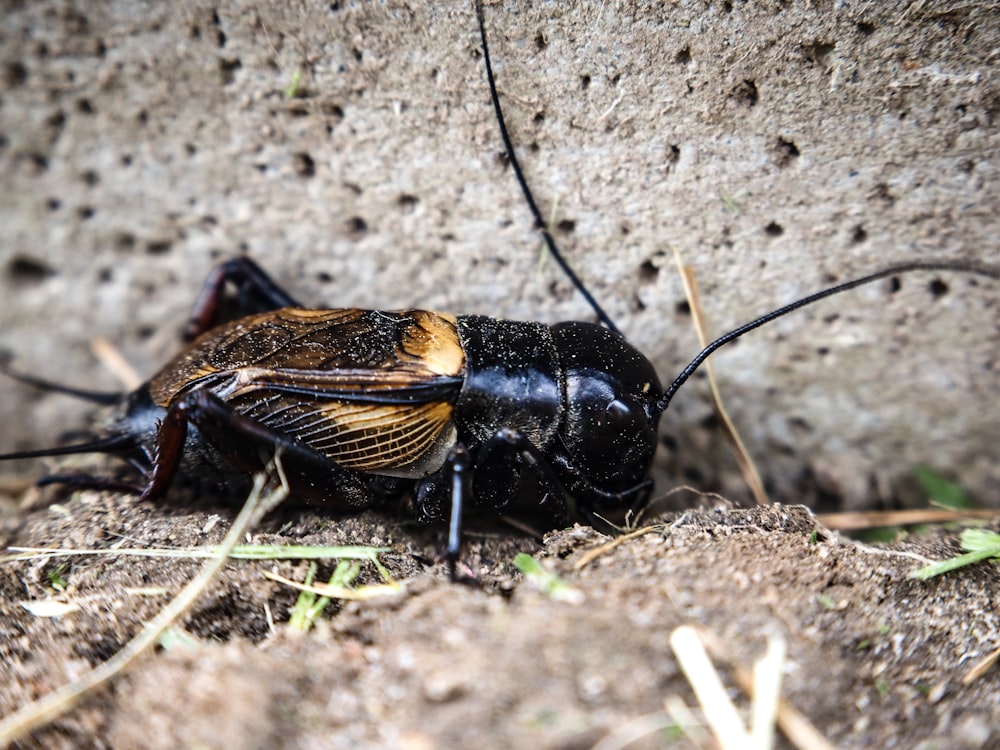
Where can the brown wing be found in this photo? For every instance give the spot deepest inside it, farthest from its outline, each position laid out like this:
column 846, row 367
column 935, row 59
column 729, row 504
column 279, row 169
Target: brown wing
column 371, row 390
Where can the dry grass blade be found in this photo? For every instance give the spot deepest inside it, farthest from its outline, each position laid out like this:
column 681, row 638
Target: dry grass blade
column 720, row 713
column 239, row 552
column 874, row 519
column 596, row 552
column 793, row 724
column 981, row 667
column 46, row 709
column 592, row 554
column 114, row 361
column 796, row 727
column 750, row 474
column 332, row 591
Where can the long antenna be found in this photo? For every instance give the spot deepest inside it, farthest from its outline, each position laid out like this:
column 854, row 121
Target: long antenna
column 113, row 444
column 540, row 224
column 97, row 397
column 687, row 372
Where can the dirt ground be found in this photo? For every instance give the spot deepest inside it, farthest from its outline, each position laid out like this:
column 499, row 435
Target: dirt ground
column 875, row 659
column 352, row 150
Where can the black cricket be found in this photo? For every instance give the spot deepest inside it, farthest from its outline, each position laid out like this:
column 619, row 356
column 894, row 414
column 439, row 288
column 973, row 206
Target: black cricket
column 364, row 405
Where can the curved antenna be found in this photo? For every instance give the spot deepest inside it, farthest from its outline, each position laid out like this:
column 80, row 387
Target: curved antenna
column 540, row 225
column 687, row 372
column 96, row 397
column 114, row 444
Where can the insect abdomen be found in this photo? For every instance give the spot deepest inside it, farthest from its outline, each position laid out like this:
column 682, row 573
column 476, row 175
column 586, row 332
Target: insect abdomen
column 373, row 391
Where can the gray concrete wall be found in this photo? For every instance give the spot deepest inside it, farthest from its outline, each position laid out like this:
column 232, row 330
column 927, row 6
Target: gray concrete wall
column 777, row 148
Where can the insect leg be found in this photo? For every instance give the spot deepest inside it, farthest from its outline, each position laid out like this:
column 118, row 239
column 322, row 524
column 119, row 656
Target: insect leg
column 499, row 466
column 249, row 445
column 496, row 476
column 458, row 460
column 256, row 292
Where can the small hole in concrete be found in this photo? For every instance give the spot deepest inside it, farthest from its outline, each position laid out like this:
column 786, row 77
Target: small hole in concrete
column 14, row 74
column 937, row 288
column 228, row 68
column 746, row 93
column 303, row 164
column 124, row 242
column 648, row 271
column 39, row 162
column 785, row 152
column 23, row 269
column 158, row 247
column 356, row 226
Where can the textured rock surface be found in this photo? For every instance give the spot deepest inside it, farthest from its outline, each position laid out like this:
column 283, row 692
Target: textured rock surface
column 776, row 147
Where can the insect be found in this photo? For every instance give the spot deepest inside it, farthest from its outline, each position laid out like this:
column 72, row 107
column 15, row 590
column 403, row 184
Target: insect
column 464, row 412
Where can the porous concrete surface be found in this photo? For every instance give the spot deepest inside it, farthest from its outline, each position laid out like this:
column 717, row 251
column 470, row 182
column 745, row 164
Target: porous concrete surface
column 776, row 146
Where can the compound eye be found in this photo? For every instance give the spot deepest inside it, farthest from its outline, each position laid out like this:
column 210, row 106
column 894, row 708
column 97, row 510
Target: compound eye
column 617, row 443
column 622, row 414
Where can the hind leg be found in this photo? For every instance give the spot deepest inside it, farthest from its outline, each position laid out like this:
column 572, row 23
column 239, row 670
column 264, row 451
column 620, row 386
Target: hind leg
column 255, row 292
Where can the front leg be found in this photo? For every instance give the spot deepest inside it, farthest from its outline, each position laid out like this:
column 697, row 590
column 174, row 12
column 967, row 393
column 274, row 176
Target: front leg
column 598, row 507
column 248, row 446
column 496, row 476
